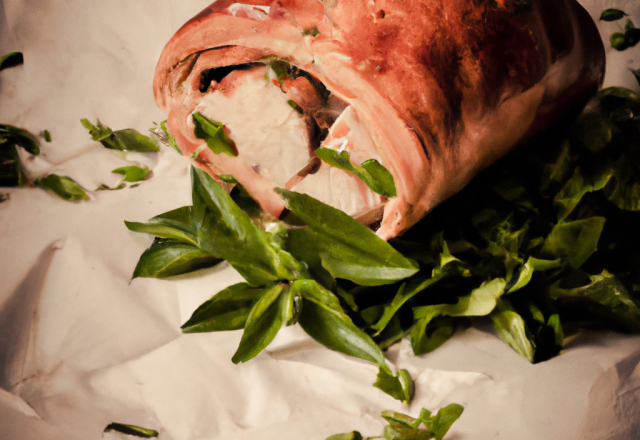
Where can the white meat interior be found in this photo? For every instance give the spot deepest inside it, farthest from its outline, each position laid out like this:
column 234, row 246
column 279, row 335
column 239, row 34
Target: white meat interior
column 270, row 135
column 273, row 138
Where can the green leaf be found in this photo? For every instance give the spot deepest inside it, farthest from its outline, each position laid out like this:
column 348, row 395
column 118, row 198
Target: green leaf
column 624, row 190
column 427, row 334
column 399, row 387
column 348, row 249
column 179, row 224
column 628, row 25
column 226, row 310
column 371, row 172
column 574, row 241
column 631, row 37
column 609, row 299
column 20, row 137
column 444, row 419
column 63, row 187
column 577, row 186
column 513, row 329
column 612, row 14
column 166, row 258
column 264, row 321
column 11, row 59
column 11, row 172
column 593, row 131
column 136, row 431
column 133, row 173
column 324, row 320
column 303, row 245
column 233, row 236
column 122, row 140
column 46, row 135
column 618, row 41
column 353, row 435
column 213, row 134
column 170, row 140
column 480, row 302
column 448, row 266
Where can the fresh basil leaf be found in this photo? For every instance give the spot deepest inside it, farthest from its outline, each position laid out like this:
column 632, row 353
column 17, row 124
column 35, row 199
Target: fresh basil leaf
column 133, row 173
column 427, row 334
column 401, row 419
column 166, row 258
column 628, row 25
column 371, row 172
column 122, row 140
column 348, row 249
column 353, row 435
column 11, row 172
column 399, row 387
column 554, row 323
column 593, row 131
column 11, row 60
column 618, row 41
column 303, row 243
column 136, row 431
column 226, row 310
column 512, row 328
column 577, row 186
column 20, row 137
column 448, row 265
column 480, row 302
column 62, row 186
column 444, row 418
column 213, row 134
column 609, row 299
column 264, row 321
column 179, row 224
column 631, row 37
column 574, row 241
column 167, row 138
column 624, row 190
column 46, row 135
column 232, row 235
column 324, row 320
column 612, row 14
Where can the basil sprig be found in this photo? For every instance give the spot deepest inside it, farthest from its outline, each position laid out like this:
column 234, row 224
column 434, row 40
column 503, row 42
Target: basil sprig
column 133, row 430
column 371, row 172
column 280, row 287
column 62, row 186
column 404, row 427
column 123, row 140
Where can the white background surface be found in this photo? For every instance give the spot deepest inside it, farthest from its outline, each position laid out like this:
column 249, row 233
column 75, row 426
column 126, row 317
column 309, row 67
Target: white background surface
column 81, row 346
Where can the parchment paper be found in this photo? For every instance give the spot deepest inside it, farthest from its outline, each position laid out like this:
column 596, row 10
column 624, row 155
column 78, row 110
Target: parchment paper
column 81, row 346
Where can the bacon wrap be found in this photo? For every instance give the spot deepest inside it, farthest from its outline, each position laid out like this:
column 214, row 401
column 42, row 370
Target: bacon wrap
column 444, row 87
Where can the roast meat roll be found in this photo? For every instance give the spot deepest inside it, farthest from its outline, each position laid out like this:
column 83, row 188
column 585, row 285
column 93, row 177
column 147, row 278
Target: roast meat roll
column 434, row 90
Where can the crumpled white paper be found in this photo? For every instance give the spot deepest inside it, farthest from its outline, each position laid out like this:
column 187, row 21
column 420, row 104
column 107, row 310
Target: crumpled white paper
column 81, row 346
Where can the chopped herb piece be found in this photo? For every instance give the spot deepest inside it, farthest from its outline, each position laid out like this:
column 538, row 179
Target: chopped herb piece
column 133, row 173
column 131, row 430
column 123, row 140
column 612, row 14
column 371, row 172
column 11, row 60
column 63, row 187
column 165, row 137
column 213, row 134
column 46, row 135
